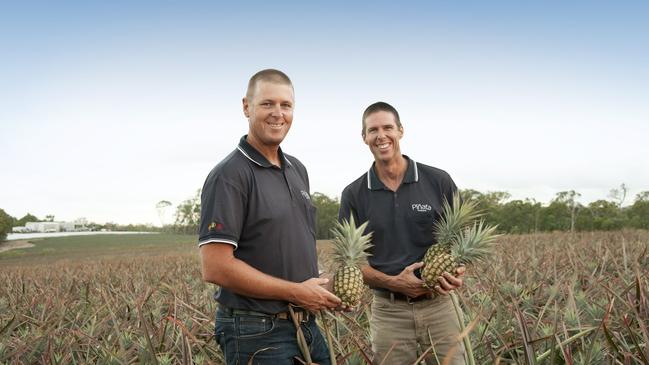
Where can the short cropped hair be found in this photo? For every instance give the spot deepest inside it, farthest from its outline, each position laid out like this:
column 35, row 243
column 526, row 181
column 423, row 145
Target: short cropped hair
column 267, row 75
column 381, row 106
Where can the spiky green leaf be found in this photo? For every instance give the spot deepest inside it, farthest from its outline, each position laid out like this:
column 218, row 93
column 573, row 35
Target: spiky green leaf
column 350, row 245
column 456, row 215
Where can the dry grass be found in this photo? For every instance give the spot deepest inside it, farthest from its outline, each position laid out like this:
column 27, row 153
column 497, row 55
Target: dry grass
column 562, row 298
column 143, row 310
column 543, row 299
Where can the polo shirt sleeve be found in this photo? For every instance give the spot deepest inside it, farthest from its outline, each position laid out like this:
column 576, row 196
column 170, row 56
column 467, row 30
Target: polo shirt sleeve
column 346, row 207
column 448, row 188
column 222, row 212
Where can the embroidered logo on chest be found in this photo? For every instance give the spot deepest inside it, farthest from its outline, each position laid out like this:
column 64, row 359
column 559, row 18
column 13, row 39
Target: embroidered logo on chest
column 421, row 207
column 305, row 195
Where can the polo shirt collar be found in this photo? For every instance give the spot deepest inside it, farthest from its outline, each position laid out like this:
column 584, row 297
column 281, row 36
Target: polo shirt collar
column 255, row 156
column 411, row 175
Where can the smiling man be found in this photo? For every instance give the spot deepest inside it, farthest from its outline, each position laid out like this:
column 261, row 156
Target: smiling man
column 402, row 199
column 257, row 237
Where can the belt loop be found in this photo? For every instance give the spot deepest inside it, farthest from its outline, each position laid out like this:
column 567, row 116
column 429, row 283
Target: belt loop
column 392, row 297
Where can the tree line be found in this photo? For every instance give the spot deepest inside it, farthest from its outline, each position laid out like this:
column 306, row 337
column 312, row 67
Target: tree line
column 562, row 213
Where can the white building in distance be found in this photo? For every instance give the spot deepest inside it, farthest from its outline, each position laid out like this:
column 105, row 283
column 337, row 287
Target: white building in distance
column 43, row 226
column 78, row 225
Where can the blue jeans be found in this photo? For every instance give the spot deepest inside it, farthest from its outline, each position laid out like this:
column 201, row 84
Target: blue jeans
column 270, row 340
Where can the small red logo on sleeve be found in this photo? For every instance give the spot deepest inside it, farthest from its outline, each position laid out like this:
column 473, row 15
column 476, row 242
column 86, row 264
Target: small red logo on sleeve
column 215, row 227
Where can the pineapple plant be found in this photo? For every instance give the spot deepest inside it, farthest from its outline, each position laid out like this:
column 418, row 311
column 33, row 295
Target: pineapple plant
column 461, row 239
column 350, row 247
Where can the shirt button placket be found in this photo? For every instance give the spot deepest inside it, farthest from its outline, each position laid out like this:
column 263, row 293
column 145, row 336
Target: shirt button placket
column 395, row 205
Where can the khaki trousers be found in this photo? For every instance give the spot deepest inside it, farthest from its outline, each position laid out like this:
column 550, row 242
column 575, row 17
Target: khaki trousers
column 403, row 331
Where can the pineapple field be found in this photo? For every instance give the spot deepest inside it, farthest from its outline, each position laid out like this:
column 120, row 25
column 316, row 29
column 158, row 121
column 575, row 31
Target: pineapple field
column 552, row 298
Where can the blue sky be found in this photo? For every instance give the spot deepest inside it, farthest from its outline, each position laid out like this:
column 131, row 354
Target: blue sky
column 108, row 107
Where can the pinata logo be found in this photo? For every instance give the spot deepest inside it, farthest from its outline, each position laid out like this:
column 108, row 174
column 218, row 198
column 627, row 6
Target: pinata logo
column 215, row 226
column 422, row 208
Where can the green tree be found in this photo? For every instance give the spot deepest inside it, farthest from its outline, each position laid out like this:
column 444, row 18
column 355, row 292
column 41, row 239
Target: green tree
column 188, row 214
column 6, row 222
column 638, row 213
column 490, row 203
column 92, row 226
column 327, row 214
column 518, row 216
column 562, row 212
column 110, row 226
column 602, row 215
column 470, row 194
column 24, row 220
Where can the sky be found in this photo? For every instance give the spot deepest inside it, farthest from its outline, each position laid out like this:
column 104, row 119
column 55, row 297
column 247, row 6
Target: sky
column 108, row 107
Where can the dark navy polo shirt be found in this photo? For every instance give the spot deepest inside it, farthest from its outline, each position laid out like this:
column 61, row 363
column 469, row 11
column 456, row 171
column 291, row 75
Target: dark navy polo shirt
column 265, row 212
column 402, row 221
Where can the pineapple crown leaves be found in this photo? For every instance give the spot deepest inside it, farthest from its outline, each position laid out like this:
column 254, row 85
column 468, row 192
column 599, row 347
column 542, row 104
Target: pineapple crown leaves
column 474, row 243
column 350, row 245
column 456, row 215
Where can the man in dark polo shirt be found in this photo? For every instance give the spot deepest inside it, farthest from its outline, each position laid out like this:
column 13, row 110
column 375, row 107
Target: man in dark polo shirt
column 257, row 237
column 402, row 199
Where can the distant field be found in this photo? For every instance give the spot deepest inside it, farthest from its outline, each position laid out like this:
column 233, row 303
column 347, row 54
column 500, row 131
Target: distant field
column 74, row 248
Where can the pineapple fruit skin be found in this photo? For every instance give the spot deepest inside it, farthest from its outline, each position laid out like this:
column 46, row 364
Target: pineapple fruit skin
column 348, row 285
column 435, row 266
column 436, row 250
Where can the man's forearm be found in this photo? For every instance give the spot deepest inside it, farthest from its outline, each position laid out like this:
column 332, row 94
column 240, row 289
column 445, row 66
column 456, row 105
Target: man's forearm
column 375, row 278
column 406, row 282
column 221, row 267
column 243, row 279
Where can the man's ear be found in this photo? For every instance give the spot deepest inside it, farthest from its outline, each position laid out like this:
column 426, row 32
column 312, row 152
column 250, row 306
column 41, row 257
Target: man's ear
column 246, row 112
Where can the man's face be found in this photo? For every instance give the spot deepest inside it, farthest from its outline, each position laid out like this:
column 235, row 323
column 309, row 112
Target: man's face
column 269, row 112
column 382, row 136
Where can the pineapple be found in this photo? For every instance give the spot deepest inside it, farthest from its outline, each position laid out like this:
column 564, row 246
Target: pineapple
column 350, row 247
column 461, row 239
column 436, row 250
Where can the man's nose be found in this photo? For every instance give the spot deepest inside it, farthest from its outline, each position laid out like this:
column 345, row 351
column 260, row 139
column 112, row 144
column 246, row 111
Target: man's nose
column 277, row 111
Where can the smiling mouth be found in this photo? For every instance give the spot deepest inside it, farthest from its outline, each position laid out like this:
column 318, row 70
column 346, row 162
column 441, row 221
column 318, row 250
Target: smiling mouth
column 276, row 125
column 383, row 146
